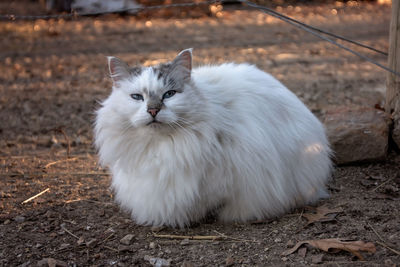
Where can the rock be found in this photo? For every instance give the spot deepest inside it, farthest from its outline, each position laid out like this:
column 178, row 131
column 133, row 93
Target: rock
column 278, row 240
column 19, row 219
column 358, row 134
column 152, row 245
column 91, row 243
column 7, row 222
column 126, row 240
column 157, row 262
column 316, row 259
column 122, row 248
column 187, row 264
column 229, row 261
column 185, row 242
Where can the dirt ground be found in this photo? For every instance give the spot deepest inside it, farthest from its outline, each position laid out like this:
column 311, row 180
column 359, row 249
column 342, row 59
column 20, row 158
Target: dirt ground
column 53, row 73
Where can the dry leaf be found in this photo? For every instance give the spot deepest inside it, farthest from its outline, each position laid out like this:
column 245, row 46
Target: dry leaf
column 323, row 214
column 335, row 245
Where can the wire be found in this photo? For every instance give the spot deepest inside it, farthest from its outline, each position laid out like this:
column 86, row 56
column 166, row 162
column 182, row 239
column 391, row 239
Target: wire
column 307, row 29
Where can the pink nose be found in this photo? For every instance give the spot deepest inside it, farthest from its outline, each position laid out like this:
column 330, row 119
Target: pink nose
column 153, row 111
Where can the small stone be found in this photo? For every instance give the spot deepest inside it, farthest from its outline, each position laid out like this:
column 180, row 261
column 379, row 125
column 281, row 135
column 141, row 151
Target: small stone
column 275, row 231
column 157, row 261
column 278, row 240
column 91, row 243
column 168, row 251
column 80, row 241
column 290, row 244
column 19, row 219
column 284, row 259
column 389, row 262
column 317, row 258
column 123, row 248
column 152, row 245
column 229, row 261
column 64, row 245
column 126, row 240
column 187, row 264
column 302, row 252
column 7, row 222
column 157, row 228
column 185, row 242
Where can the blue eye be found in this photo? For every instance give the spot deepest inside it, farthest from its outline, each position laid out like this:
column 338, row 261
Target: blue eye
column 137, row 96
column 169, row 94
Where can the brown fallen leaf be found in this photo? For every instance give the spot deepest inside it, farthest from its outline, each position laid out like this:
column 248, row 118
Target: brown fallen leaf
column 322, row 214
column 335, row 245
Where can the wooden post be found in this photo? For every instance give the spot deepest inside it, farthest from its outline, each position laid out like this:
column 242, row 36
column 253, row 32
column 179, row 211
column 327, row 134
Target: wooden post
column 392, row 105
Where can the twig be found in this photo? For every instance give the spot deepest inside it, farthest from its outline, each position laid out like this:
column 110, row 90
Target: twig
column 59, row 161
column 385, row 182
column 234, row 238
column 376, row 232
column 116, row 250
column 383, row 241
column 108, row 237
column 35, row 196
column 66, row 230
column 193, row 237
column 389, row 248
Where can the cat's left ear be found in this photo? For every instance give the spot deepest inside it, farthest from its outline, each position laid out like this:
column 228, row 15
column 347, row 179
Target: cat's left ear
column 182, row 65
column 119, row 70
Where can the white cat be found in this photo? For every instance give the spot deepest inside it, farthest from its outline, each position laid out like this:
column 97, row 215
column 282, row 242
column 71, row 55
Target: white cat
column 227, row 139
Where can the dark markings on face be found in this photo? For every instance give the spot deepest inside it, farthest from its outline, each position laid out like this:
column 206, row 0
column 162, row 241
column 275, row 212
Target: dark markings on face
column 163, row 72
column 136, row 71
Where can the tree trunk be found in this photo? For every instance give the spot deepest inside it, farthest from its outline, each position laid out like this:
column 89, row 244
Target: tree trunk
column 392, row 105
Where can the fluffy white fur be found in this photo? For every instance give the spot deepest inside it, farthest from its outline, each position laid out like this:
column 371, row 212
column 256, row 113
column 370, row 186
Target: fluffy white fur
column 235, row 141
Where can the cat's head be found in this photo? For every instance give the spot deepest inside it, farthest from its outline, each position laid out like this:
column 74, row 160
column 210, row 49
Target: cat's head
column 156, row 97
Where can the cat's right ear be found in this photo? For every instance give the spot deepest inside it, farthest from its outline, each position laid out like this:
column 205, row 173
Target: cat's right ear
column 118, row 69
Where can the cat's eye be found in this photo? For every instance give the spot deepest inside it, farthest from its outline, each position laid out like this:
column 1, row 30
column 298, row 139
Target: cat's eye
column 169, row 94
column 137, row 96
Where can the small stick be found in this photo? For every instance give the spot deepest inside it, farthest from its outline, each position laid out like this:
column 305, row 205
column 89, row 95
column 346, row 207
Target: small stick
column 59, row 161
column 193, row 237
column 376, row 232
column 385, row 182
column 116, row 250
column 389, row 248
column 35, row 196
column 234, row 238
column 66, row 230
column 383, row 241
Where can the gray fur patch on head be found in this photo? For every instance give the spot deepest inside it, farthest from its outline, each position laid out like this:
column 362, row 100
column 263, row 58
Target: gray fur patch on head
column 136, row 71
column 164, row 72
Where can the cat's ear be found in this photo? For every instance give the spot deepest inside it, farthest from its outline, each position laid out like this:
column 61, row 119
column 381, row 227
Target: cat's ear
column 181, row 66
column 119, row 70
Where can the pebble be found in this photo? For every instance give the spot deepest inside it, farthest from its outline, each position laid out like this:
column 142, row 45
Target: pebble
column 122, row 248
column 229, row 261
column 19, row 219
column 152, row 245
column 7, row 221
column 185, row 242
column 278, row 240
column 317, row 259
column 157, row 261
column 126, row 240
column 91, row 243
